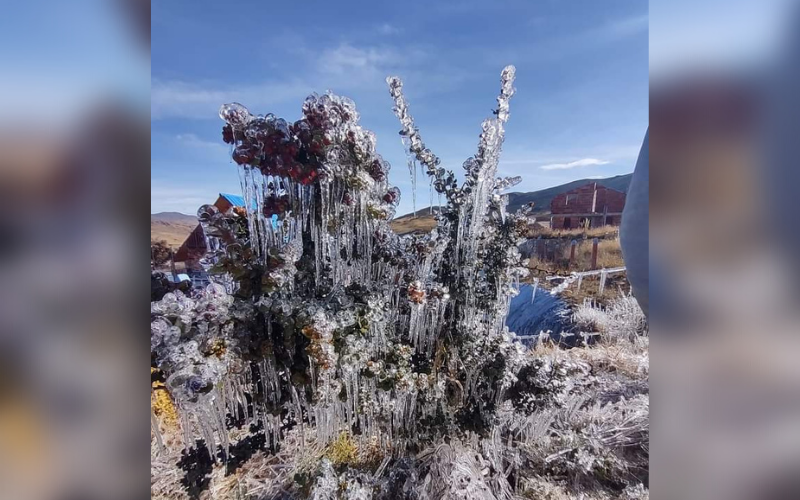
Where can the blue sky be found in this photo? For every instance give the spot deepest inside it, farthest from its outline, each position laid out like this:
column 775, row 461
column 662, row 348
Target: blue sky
column 61, row 59
column 581, row 106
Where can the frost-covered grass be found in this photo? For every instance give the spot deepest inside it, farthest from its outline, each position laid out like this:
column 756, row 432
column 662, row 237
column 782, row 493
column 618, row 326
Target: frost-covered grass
column 582, row 433
column 619, row 318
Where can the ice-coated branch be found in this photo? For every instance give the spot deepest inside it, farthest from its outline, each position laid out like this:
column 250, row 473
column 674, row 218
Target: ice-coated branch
column 507, row 182
column 444, row 181
column 506, row 91
column 493, row 134
column 424, row 155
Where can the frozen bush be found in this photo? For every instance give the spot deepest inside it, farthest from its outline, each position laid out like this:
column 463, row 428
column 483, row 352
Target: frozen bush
column 346, row 362
column 620, row 318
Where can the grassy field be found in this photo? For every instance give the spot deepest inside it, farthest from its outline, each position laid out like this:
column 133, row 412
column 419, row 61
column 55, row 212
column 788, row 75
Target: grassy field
column 603, row 232
column 174, row 233
column 409, row 224
column 609, row 254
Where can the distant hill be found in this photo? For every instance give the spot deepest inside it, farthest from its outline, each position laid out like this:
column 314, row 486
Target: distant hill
column 543, row 197
column 423, row 223
column 172, row 217
column 173, row 227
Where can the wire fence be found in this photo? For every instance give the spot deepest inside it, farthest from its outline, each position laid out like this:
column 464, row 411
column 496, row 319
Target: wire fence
column 545, row 249
column 560, row 254
column 577, row 278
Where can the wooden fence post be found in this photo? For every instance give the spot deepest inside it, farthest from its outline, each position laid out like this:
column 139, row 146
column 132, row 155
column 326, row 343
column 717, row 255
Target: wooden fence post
column 595, row 241
column 572, row 246
column 540, row 248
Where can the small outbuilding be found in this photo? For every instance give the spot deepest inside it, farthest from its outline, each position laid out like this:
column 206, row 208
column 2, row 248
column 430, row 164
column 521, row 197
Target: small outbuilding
column 194, row 248
column 591, row 204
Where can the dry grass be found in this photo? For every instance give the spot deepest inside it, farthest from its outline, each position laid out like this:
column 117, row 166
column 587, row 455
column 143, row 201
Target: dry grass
column 174, row 233
column 616, row 285
column 424, row 223
column 619, row 319
column 604, row 435
column 408, row 224
column 536, row 230
column 609, row 254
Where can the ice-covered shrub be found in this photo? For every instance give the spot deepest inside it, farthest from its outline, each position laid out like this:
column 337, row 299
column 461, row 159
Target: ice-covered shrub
column 620, row 318
column 370, row 365
column 336, row 322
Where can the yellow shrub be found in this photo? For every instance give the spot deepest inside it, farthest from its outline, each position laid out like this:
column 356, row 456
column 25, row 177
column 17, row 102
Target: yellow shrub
column 343, row 451
column 162, row 404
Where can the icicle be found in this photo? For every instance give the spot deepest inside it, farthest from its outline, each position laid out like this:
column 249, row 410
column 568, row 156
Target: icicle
column 157, row 431
column 412, row 169
column 430, row 191
column 220, row 415
column 188, row 442
column 533, row 290
column 603, row 276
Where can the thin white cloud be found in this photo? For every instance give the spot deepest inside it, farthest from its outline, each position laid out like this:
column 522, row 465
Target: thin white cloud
column 614, row 153
column 351, row 66
column 388, row 29
column 341, row 67
column 584, row 162
column 177, row 99
column 347, row 58
column 624, row 27
column 196, row 144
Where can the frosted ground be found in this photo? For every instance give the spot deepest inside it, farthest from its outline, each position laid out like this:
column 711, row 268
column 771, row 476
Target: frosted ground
column 588, row 438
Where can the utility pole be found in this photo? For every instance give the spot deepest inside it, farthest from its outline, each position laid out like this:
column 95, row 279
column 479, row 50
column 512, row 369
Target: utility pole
column 172, row 266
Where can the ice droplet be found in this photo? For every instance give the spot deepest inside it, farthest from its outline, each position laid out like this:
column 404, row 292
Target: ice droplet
column 235, row 114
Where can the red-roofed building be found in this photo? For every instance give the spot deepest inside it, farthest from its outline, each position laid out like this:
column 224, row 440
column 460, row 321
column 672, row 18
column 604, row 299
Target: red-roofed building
column 194, row 248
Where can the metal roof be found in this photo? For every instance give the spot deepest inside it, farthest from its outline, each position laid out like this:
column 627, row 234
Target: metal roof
column 233, row 199
column 179, row 278
column 238, row 201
